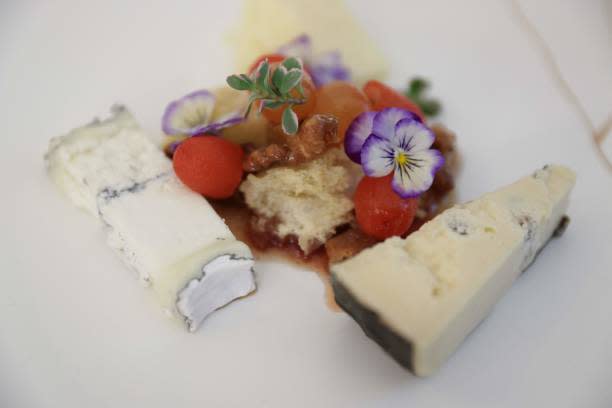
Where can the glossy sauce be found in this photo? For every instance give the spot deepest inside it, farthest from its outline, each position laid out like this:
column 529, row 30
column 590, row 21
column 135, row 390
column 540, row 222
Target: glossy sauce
column 237, row 216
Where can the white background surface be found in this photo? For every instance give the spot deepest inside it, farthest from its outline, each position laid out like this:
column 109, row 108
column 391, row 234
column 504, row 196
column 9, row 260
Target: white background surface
column 76, row 330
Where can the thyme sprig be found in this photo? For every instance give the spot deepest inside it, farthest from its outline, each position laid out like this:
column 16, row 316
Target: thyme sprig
column 274, row 89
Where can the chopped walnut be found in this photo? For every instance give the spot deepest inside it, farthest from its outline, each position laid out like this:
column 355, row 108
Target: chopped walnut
column 316, row 135
column 348, row 244
column 265, row 157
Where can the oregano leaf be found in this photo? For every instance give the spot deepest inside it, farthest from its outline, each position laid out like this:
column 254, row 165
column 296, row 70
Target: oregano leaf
column 247, row 79
column 269, row 104
column 300, row 90
column 417, row 86
column 262, row 75
column 289, row 121
column 278, row 76
column 291, row 80
column 291, row 63
column 238, row 83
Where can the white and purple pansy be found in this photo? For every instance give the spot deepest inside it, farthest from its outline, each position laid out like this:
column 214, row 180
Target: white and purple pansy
column 192, row 114
column 394, row 141
column 323, row 68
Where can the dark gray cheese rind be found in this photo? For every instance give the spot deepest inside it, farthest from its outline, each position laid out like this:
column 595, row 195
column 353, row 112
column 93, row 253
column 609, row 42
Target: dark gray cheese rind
column 395, row 345
column 421, row 296
column 398, row 347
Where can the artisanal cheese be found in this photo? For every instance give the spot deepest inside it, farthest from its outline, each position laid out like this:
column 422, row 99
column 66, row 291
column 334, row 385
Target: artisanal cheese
column 421, row 296
column 168, row 234
column 268, row 24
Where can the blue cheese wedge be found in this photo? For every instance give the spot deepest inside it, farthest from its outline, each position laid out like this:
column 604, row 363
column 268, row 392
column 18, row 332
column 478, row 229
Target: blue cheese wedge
column 419, row 297
column 169, row 235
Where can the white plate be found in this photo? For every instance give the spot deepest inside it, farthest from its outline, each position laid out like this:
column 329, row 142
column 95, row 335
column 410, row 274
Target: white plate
column 76, row 330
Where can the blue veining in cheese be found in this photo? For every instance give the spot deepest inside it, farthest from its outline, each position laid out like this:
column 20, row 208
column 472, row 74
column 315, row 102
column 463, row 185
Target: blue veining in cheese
column 165, row 232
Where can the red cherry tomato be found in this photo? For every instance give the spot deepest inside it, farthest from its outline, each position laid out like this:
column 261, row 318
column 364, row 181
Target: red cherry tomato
column 381, row 96
column 381, row 213
column 209, row 165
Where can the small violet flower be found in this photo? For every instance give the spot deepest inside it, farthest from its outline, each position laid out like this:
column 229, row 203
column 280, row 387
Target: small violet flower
column 191, row 115
column 323, row 68
column 394, row 141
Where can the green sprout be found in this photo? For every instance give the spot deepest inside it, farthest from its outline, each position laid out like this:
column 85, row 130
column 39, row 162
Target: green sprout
column 415, row 92
column 274, row 89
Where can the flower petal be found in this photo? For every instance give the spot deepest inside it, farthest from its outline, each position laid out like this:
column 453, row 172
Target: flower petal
column 415, row 177
column 386, row 119
column 300, row 46
column 189, row 114
column 377, row 157
column 357, row 133
column 328, row 67
column 413, row 136
column 230, row 119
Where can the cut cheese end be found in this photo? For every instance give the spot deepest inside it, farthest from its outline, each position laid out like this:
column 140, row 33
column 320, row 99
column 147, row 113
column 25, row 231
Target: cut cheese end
column 268, row 24
column 419, row 297
column 168, row 234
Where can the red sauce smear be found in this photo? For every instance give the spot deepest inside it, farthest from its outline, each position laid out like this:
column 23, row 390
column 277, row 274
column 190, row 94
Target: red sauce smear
column 268, row 247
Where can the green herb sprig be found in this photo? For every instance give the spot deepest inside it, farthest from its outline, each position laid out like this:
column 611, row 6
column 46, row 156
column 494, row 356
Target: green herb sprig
column 416, row 92
column 274, row 89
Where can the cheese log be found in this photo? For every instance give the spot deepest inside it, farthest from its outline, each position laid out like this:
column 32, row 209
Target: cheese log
column 168, row 234
column 268, row 24
column 419, row 297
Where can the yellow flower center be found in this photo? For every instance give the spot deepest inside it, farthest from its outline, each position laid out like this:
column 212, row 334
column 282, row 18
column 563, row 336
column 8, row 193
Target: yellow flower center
column 401, row 158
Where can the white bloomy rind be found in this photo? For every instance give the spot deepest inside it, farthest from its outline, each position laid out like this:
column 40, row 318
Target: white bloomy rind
column 434, row 287
column 168, row 234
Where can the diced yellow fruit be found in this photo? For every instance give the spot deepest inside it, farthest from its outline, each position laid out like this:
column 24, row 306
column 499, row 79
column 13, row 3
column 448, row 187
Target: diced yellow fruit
column 254, row 130
column 228, row 100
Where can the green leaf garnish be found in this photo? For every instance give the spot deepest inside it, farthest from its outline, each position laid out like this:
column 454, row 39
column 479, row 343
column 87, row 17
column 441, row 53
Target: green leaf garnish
column 289, row 121
column 415, row 92
column 263, row 75
column 275, row 89
column 290, row 81
column 238, row 83
column 247, row 79
column 278, row 77
column 272, row 104
column 291, row 63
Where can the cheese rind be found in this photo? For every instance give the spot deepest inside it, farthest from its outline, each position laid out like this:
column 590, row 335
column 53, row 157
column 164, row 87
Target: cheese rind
column 162, row 230
column 421, row 296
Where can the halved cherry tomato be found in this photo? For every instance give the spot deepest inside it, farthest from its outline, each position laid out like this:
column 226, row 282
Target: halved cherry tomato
column 209, row 165
column 381, row 213
column 382, row 96
column 342, row 100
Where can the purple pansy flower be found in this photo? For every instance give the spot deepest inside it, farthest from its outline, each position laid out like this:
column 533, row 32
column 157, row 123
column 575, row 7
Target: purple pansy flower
column 394, row 141
column 324, row 67
column 192, row 115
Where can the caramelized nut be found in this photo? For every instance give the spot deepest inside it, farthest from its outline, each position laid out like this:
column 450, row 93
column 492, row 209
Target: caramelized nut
column 265, row 157
column 316, row 135
column 348, row 244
